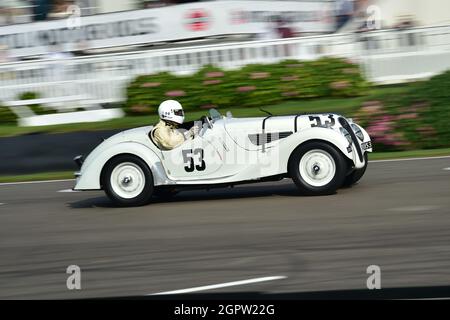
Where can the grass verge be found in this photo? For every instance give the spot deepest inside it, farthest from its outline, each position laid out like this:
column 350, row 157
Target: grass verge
column 373, row 156
column 409, row 154
column 37, row 176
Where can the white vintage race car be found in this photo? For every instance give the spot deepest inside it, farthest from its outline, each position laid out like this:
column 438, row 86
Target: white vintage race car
column 320, row 152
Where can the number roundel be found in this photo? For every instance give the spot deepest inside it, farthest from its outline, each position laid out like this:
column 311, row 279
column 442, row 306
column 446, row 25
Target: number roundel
column 190, row 164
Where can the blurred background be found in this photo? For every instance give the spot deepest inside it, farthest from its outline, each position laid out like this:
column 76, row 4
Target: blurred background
column 73, row 72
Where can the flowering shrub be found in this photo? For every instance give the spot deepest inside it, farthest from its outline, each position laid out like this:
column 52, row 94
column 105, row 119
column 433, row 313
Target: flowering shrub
column 144, row 93
column 211, row 88
column 417, row 119
column 380, row 125
column 252, row 86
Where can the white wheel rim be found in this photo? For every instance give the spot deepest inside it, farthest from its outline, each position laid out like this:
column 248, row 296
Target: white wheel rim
column 317, row 168
column 127, row 180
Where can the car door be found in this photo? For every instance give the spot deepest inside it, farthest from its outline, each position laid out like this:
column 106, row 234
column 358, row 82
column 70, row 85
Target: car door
column 196, row 158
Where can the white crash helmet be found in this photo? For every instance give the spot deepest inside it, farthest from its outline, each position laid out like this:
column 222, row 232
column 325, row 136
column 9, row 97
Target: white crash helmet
column 171, row 110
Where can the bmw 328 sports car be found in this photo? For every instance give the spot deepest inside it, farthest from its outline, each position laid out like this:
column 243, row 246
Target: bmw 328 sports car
column 320, row 152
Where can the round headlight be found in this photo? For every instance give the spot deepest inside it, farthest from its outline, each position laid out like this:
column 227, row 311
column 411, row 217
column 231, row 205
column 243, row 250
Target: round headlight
column 357, row 132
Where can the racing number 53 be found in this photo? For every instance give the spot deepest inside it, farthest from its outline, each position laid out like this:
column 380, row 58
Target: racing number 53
column 318, row 121
column 188, row 158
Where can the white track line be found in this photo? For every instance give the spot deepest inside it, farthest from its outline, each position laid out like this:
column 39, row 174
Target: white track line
column 410, row 159
column 34, row 182
column 447, row 169
column 1, row 203
column 443, row 298
column 221, row 285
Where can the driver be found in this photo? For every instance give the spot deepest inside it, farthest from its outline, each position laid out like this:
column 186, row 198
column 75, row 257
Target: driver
column 166, row 134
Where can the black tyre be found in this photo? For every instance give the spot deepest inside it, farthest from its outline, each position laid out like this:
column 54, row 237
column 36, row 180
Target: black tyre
column 356, row 174
column 127, row 181
column 317, row 168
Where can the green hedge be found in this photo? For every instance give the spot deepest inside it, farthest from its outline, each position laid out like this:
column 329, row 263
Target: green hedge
column 415, row 119
column 252, row 86
column 36, row 108
column 7, row 116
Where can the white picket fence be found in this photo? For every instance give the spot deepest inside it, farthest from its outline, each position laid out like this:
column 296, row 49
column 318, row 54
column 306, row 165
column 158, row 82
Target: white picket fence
column 387, row 56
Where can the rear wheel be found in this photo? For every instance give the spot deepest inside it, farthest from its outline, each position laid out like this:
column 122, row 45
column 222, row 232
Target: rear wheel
column 356, row 174
column 127, row 181
column 317, row 168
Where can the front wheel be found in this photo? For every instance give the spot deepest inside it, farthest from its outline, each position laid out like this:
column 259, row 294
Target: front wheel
column 127, row 181
column 317, row 168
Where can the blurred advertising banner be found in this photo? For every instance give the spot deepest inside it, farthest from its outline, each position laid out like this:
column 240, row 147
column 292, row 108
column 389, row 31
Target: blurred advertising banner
column 172, row 23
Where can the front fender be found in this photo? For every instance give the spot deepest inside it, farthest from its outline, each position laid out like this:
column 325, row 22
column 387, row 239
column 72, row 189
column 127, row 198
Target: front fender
column 89, row 175
column 315, row 133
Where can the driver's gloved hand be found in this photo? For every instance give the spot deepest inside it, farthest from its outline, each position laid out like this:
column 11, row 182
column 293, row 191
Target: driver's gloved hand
column 192, row 132
column 195, row 129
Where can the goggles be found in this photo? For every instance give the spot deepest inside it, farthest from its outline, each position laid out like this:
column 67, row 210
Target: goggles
column 178, row 112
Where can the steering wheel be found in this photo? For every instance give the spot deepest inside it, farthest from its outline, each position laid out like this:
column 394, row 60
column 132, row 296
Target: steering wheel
column 203, row 129
column 207, row 120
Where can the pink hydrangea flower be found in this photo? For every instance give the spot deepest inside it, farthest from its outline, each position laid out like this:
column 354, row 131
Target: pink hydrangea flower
column 175, row 93
column 372, row 107
column 207, row 82
column 151, row 84
column 381, row 131
column 259, row 75
column 246, row 88
column 407, row 116
column 214, row 74
column 289, row 78
column 337, row 85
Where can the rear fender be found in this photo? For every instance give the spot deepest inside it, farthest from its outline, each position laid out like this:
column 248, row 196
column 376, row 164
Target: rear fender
column 90, row 174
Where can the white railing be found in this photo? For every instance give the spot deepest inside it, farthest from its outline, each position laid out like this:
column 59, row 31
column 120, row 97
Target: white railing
column 386, row 56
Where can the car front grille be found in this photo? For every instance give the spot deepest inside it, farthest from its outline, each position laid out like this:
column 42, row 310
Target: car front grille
column 344, row 123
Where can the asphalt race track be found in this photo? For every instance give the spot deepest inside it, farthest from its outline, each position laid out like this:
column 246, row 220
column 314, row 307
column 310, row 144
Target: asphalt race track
column 397, row 217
